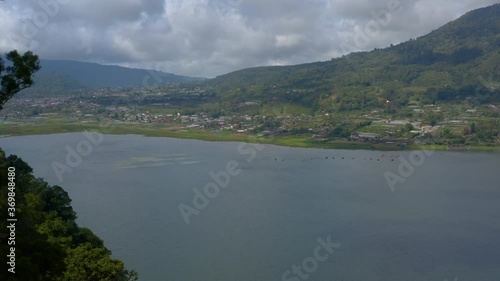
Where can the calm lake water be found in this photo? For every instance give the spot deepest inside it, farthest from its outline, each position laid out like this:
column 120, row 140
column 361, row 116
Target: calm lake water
column 442, row 222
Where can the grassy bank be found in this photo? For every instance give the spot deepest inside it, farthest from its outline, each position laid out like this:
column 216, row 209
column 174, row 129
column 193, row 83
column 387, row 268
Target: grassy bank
column 160, row 131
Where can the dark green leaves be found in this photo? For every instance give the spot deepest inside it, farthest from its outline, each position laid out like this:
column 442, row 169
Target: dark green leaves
column 18, row 75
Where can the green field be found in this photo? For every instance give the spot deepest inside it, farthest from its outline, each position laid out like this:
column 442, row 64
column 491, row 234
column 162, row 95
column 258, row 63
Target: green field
column 150, row 130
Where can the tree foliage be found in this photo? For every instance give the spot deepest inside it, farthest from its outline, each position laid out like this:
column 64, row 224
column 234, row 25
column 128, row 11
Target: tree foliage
column 49, row 243
column 17, row 75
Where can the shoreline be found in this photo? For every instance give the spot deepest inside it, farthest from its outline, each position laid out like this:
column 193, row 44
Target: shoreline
column 301, row 141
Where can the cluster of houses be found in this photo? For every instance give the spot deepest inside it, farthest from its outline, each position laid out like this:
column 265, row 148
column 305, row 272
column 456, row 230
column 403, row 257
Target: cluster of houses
column 240, row 124
column 94, row 107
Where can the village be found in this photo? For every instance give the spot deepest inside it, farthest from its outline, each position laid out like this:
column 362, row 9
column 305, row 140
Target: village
column 418, row 124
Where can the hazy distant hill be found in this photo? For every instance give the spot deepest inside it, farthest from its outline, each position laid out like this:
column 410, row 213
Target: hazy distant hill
column 93, row 74
column 449, row 62
column 61, row 76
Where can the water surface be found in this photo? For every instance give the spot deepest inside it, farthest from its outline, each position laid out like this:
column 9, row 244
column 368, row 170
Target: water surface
column 442, row 222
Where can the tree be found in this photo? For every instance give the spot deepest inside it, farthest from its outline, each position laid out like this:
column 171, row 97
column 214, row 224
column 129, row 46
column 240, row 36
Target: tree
column 408, row 127
column 473, row 128
column 18, row 75
column 433, row 118
column 86, row 262
column 339, row 132
column 57, row 199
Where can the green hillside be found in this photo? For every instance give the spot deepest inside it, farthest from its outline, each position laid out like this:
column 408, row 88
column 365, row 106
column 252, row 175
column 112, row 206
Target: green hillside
column 450, row 62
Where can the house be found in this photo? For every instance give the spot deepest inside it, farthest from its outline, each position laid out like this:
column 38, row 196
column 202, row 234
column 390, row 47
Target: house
column 365, row 136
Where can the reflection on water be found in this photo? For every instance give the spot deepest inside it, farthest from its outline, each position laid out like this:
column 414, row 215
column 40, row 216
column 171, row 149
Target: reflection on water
column 156, row 161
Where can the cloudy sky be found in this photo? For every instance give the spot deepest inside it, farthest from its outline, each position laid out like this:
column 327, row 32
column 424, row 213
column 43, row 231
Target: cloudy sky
column 212, row 37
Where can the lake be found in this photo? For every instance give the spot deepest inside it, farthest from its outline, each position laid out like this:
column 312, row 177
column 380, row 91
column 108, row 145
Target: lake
column 264, row 212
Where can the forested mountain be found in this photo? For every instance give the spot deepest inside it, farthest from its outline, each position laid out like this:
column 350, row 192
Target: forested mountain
column 454, row 61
